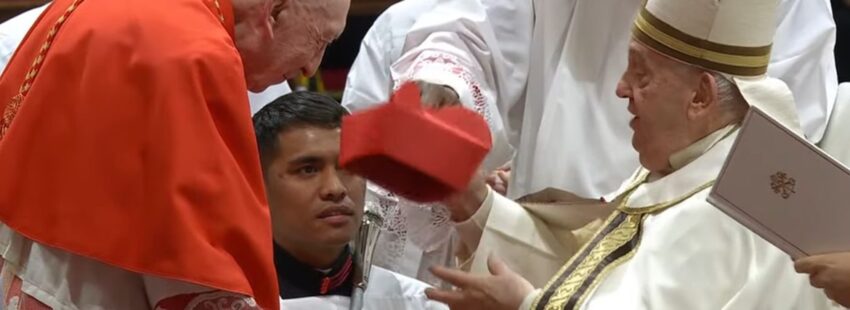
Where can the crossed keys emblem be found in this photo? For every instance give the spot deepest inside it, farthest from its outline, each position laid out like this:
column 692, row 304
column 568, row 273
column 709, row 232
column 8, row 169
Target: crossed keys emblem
column 782, row 184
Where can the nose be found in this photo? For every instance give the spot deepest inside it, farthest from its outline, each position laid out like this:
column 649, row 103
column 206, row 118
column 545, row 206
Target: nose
column 312, row 67
column 333, row 189
column 623, row 89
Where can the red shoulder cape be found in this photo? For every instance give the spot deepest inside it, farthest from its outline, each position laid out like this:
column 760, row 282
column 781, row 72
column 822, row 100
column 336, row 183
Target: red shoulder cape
column 135, row 147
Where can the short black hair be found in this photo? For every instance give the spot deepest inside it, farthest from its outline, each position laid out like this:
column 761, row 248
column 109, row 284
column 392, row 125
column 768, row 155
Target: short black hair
column 294, row 110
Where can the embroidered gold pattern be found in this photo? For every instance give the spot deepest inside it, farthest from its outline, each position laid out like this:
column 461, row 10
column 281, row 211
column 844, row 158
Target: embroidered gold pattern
column 582, row 279
column 9, row 113
column 732, row 59
column 218, row 8
column 614, row 240
column 15, row 103
column 783, row 184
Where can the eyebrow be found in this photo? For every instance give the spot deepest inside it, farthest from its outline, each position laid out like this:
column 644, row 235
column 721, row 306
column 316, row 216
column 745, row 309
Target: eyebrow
column 640, row 60
column 306, row 159
column 634, row 53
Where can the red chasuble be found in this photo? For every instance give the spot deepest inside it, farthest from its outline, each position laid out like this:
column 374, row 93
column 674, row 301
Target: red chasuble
column 134, row 146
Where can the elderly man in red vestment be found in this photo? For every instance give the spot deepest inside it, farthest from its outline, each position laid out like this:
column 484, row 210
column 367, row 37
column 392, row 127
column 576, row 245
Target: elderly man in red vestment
column 129, row 177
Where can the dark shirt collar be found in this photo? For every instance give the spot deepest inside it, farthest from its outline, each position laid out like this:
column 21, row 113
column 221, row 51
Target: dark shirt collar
column 296, row 279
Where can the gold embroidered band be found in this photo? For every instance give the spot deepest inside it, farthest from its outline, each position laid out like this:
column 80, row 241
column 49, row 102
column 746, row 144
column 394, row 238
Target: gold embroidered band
column 14, row 105
column 614, row 244
column 736, row 60
column 611, row 246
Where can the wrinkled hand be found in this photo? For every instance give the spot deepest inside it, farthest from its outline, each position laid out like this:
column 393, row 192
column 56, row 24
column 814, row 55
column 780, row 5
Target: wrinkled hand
column 464, row 204
column 830, row 272
column 437, row 96
column 499, row 180
column 503, row 290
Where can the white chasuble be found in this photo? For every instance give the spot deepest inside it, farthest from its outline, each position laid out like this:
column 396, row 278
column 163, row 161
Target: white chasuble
column 665, row 247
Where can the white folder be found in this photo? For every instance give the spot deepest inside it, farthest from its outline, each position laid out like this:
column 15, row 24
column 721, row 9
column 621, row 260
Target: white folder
column 785, row 189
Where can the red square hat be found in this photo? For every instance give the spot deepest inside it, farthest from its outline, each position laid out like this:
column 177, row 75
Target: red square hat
column 420, row 153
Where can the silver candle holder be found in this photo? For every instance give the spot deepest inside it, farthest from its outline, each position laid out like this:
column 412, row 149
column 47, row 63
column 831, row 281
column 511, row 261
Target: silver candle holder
column 364, row 247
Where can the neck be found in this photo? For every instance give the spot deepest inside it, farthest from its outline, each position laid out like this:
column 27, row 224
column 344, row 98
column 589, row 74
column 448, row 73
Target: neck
column 316, row 256
column 696, row 148
column 698, row 140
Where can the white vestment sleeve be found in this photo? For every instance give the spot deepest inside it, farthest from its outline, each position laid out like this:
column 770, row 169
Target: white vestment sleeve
column 387, row 290
column 168, row 294
column 369, row 82
column 12, row 32
column 260, row 100
column 448, row 58
column 456, row 45
column 534, row 240
column 692, row 256
column 802, row 56
column 470, row 231
column 529, row 299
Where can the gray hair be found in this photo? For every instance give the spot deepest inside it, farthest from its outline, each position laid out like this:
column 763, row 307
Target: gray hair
column 733, row 107
column 731, row 102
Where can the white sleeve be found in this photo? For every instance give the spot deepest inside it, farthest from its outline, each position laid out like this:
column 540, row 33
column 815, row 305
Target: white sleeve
column 529, row 299
column 167, row 294
column 455, row 45
column 260, row 100
column 471, row 230
column 12, row 32
column 455, row 56
column 692, row 256
column 803, row 58
column 529, row 244
column 369, row 81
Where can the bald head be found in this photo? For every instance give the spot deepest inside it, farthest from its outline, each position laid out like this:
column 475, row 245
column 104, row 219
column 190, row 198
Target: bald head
column 280, row 39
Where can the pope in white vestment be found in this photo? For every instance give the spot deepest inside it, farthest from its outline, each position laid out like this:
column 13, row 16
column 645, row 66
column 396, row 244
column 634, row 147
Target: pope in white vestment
column 479, row 49
column 578, row 53
column 692, row 72
column 387, row 290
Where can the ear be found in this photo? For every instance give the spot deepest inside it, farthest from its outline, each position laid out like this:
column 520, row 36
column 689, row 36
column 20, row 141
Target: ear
column 265, row 20
column 705, row 98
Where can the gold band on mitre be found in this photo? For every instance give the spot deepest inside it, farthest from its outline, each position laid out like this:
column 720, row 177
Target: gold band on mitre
column 735, row 60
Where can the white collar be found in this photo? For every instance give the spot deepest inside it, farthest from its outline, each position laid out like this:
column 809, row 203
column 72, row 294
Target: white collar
column 698, row 172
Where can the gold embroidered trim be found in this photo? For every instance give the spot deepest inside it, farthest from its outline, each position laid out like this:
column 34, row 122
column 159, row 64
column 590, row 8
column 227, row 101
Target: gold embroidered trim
column 605, row 272
column 738, row 60
column 624, row 233
column 14, row 105
column 736, row 50
column 618, row 237
column 662, row 206
column 218, row 8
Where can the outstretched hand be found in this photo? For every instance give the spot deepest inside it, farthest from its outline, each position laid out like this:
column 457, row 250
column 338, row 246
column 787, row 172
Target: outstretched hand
column 502, row 290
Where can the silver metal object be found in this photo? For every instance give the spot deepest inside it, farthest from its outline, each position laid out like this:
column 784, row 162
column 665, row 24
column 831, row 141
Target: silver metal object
column 364, row 247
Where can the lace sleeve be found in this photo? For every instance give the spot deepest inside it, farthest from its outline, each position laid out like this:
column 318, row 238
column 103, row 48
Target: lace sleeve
column 414, row 236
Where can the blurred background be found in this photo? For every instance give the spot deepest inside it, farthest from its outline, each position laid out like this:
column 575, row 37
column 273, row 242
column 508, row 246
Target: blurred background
column 340, row 55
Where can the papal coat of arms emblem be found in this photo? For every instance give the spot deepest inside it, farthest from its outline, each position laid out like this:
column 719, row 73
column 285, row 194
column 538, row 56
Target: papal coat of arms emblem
column 782, row 184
